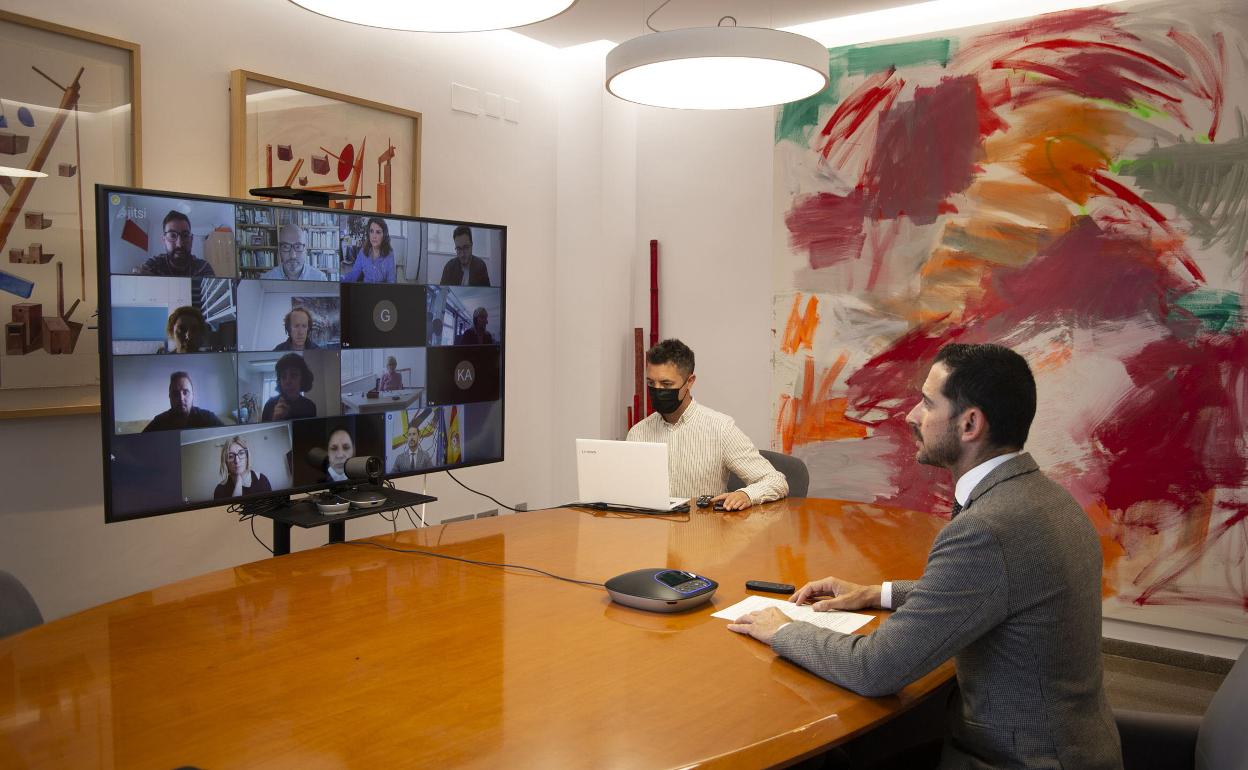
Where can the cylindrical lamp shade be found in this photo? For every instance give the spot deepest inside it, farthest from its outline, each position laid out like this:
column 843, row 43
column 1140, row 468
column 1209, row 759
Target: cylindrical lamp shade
column 717, row 68
column 439, row 15
column 23, row 173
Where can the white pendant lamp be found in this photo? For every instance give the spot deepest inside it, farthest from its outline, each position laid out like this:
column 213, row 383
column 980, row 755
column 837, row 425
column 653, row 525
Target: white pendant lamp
column 438, row 15
column 717, row 68
column 23, row 173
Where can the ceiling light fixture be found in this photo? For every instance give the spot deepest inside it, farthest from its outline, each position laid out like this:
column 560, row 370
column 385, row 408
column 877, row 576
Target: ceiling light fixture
column 438, row 15
column 717, row 68
column 23, row 173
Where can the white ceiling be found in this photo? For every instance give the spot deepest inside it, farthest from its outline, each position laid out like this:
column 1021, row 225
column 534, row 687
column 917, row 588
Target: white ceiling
column 619, row 20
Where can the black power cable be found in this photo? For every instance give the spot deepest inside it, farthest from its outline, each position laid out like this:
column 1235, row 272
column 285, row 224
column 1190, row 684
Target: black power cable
column 473, row 561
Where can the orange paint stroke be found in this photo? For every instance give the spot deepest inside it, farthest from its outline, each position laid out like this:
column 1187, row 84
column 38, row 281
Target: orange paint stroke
column 815, row 415
column 1053, row 360
column 799, row 330
column 1111, row 550
column 1060, row 143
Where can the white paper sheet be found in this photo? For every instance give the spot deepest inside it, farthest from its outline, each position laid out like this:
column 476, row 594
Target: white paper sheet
column 834, row 620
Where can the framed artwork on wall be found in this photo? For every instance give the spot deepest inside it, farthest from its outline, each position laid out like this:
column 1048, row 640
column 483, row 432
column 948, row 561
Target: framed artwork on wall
column 69, row 118
column 288, row 134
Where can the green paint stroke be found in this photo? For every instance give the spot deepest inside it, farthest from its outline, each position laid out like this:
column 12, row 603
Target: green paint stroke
column 1218, row 311
column 796, row 119
column 865, row 60
column 1207, row 183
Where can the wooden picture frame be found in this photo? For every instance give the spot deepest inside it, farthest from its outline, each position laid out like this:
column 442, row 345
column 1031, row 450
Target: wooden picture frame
column 49, row 363
column 277, row 125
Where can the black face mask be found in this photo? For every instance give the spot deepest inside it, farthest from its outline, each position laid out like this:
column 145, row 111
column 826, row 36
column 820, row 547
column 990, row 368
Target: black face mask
column 665, row 400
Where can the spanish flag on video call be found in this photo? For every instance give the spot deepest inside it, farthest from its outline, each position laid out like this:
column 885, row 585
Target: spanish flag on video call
column 452, row 445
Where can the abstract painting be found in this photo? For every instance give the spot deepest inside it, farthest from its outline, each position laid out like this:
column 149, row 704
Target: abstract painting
column 69, row 113
column 1073, row 186
column 285, row 134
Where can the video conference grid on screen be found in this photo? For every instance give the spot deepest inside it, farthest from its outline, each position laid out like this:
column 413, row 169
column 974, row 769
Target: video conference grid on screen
column 238, row 335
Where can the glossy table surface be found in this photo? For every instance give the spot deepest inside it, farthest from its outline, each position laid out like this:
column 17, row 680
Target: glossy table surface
column 350, row 656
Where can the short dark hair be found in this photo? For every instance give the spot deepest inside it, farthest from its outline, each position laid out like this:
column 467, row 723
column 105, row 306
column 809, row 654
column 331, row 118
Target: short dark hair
column 174, row 215
column 186, row 310
column 173, row 379
column 672, row 351
column 997, row 381
column 462, row 230
column 295, row 361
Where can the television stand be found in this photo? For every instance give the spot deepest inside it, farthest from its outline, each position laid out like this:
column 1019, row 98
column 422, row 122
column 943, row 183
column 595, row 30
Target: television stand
column 303, row 513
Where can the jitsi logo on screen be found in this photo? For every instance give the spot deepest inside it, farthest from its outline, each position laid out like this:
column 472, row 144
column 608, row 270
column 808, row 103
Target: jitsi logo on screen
column 465, row 375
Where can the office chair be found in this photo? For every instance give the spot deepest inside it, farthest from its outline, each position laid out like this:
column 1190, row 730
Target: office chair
column 18, row 610
column 793, row 468
column 1216, row 741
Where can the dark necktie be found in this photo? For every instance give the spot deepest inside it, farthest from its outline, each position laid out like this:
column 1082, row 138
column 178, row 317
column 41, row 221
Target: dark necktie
column 957, row 508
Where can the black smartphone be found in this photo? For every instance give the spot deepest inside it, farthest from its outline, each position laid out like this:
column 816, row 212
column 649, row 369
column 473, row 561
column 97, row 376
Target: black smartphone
column 771, row 588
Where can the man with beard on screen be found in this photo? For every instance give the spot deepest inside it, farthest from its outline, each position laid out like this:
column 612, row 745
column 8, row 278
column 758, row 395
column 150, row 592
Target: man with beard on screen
column 177, row 259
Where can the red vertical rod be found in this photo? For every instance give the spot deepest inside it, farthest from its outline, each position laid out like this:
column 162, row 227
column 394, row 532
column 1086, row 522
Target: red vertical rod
column 638, row 373
column 654, row 307
column 654, row 293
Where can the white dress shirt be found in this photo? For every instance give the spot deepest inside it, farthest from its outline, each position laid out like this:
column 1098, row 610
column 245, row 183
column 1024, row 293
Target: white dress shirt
column 703, row 447
column 961, row 493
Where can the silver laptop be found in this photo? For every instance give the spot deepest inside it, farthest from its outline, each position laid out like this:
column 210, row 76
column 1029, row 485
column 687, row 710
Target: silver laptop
column 624, row 474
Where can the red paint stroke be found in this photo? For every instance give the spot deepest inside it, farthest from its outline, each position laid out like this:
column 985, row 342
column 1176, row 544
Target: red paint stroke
column 883, row 236
column 1122, row 192
column 876, row 94
column 888, row 384
column 1090, row 82
column 925, row 150
column 1212, row 74
column 1195, row 553
column 1063, row 23
column 1058, row 44
column 882, row 392
column 989, row 121
column 1097, row 22
column 1085, row 278
column 1180, row 430
column 829, row 227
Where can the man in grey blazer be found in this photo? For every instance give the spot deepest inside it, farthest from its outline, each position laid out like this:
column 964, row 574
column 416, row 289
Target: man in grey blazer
column 1012, row 588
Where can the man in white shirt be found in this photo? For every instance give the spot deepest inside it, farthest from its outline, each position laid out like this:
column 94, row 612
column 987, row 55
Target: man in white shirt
column 704, row 446
column 292, row 251
column 1011, row 589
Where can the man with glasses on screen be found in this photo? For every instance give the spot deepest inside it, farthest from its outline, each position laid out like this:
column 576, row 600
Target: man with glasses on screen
column 177, row 259
column 466, row 269
column 292, row 251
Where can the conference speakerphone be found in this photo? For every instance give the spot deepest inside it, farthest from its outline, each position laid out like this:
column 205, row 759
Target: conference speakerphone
column 661, row 590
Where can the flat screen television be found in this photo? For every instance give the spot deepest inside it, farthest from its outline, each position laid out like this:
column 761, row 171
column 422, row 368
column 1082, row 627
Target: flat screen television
column 236, row 336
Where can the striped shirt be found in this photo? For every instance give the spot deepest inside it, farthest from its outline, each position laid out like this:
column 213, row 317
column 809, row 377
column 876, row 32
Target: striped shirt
column 703, row 448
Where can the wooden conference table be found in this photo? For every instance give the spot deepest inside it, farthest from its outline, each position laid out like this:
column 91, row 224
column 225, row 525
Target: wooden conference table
column 350, row 656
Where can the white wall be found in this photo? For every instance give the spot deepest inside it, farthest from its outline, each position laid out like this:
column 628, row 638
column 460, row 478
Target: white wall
column 475, row 168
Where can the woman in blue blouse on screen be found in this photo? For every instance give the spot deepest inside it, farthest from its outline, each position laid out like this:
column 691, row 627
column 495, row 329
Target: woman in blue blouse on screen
column 374, row 261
